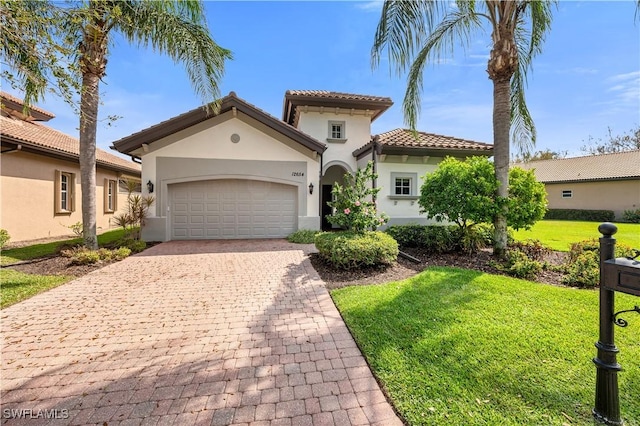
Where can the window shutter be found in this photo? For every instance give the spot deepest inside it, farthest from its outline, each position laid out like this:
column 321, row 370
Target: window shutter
column 105, row 195
column 72, row 190
column 56, row 191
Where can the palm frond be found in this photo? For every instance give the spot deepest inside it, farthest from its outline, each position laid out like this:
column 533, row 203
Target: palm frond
column 402, row 28
column 456, row 28
column 178, row 29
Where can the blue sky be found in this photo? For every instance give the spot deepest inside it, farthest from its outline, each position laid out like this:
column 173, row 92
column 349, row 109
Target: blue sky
column 586, row 80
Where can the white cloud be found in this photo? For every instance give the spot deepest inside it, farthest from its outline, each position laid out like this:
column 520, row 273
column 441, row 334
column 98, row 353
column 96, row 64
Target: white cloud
column 370, row 6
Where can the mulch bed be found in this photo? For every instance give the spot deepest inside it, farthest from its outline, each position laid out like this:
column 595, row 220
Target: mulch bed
column 404, row 268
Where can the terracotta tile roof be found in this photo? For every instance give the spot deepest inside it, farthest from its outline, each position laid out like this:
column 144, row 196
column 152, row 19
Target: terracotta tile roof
column 325, row 94
column 19, row 103
column 621, row 165
column 40, row 136
column 406, row 138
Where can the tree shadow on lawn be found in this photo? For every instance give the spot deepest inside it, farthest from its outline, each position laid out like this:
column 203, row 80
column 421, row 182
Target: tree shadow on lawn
column 452, row 346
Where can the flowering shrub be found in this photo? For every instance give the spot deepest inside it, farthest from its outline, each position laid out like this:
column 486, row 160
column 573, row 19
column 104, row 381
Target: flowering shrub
column 354, row 208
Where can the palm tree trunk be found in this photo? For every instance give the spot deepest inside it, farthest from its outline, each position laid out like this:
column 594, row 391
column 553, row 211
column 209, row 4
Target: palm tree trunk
column 88, row 128
column 501, row 128
column 93, row 50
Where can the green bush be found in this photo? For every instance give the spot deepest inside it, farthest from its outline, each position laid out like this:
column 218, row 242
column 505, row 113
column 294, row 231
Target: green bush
column 350, row 250
column 84, row 256
column 520, row 265
column 533, row 249
column 439, row 238
column 582, row 267
column 302, row 236
column 135, row 246
column 4, row 237
column 631, row 216
column 576, row 214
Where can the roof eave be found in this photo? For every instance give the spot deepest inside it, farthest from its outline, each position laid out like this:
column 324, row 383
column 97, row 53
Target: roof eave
column 291, row 101
column 135, row 141
column 63, row 155
column 432, row 151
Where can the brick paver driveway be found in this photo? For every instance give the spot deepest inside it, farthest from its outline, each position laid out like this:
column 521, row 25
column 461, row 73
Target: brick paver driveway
column 212, row 332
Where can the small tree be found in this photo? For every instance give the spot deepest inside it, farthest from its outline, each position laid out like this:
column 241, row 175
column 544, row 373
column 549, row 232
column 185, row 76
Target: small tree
column 462, row 192
column 136, row 211
column 355, row 208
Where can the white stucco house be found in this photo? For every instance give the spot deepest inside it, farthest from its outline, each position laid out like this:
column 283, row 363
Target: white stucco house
column 243, row 173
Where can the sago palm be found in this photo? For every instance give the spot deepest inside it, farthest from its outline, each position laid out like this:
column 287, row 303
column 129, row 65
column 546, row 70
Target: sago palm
column 418, row 31
column 176, row 28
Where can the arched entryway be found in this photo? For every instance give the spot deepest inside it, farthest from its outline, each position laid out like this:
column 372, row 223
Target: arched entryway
column 332, row 173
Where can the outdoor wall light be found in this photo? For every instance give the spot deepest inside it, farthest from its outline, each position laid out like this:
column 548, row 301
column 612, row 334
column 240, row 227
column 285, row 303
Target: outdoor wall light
column 311, row 188
column 150, row 187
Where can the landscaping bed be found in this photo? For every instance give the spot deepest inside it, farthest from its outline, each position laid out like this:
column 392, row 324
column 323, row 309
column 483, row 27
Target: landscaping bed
column 480, row 261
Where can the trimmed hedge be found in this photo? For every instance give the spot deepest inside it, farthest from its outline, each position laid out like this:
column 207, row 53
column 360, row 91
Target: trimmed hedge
column 439, row 238
column 576, row 214
column 350, row 250
column 631, row 216
column 302, row 236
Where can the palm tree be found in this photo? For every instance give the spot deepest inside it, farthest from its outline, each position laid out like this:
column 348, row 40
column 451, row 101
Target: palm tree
column 177, row 28
column 414, row 32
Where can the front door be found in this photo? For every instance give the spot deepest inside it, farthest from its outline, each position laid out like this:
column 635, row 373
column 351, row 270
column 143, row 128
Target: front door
column 326, row 209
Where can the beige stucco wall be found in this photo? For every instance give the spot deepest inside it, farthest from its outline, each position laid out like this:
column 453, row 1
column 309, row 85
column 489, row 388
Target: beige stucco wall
column 27, row 197
column 259, row 147
column 618, row 195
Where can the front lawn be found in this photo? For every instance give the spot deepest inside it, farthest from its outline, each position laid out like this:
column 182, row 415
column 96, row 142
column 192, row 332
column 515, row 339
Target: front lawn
column 460, row 347
column 17, row 286
column 560, row 234
column 48, row 249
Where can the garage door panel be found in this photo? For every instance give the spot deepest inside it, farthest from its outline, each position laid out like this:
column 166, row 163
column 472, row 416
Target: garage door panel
column 232, row 208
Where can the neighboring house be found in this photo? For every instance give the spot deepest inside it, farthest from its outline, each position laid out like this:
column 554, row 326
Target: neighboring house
column 242, row 173
column 594, row 182
column 40, row 177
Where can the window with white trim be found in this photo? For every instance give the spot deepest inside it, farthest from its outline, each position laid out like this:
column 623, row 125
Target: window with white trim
column 337, row 131
column 567, row 193
column 404, row 184
column 110, row 195
column 64, row 196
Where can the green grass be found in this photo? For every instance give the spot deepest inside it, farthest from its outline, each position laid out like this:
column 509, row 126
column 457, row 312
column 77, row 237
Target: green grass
column 17, row 286
column 42, row 250
column 461, row 347
column 560, row 234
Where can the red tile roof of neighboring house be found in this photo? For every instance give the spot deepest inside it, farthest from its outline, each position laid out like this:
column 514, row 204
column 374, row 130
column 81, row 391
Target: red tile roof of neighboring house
column 40, row 136
column 620, row 165
column 11, row 102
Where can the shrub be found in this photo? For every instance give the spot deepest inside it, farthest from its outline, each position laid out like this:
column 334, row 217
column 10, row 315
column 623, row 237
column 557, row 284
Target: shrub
column 4, row 237
column 137, row 209
column 533, row 249
column 631, row 216
column 438, row 238
column 353, row 208
column 77, row 229
column 84, row 256
column 576, row 214
column 520, row 265
column 135, row 246
column 350, row 250
column 302, row 236
column 582, row 268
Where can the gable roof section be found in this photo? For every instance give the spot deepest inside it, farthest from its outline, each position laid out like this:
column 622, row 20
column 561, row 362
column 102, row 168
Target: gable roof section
column 38, row 138
column 616, row 166
column 323, row 98
column 228, row 103
column 405, row 142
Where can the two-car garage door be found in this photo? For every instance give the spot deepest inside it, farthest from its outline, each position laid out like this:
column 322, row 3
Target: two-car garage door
column 232, row 208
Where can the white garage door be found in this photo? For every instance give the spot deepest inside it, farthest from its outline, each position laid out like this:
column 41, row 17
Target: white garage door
column 232, row 208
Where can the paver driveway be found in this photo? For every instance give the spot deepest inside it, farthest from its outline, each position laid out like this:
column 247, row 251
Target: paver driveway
column 211, row 332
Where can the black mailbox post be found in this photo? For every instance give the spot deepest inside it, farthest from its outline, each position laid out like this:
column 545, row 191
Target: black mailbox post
column 622, row 275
